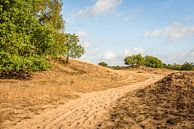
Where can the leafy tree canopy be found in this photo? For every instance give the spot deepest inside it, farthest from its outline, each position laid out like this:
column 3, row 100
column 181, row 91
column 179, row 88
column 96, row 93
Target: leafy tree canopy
column 134, row 60
column 139, row 60
column 154, row 62
column 26, row 38
column 103, row 64
column 187, row 66
column 73, row 48
column 48, row 11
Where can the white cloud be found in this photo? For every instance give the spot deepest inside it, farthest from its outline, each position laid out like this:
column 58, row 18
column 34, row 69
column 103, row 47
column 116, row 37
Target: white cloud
column 134, row 51
column 172, row 32
column 100, row 7
column 109, row 55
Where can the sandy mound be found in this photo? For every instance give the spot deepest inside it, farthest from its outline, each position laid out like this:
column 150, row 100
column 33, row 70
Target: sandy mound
column 168, row 103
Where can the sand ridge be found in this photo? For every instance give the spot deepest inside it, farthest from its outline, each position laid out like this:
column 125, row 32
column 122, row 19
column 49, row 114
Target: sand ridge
column 85, row 112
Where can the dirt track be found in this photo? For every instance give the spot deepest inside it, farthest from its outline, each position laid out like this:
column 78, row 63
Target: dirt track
column 85, row 112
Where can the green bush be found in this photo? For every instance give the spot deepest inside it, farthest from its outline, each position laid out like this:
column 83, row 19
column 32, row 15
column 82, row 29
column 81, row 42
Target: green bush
column 173, row 66
column 153, row 62
column 187, row 66
column 14, row 63
column 103, row 64
column 24, row 40
column 39, row 63
column 137, row 60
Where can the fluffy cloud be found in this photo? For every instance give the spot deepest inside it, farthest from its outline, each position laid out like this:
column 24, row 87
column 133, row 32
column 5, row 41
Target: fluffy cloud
column 109, row 56
column 172, row 32
column 100, row 7
column 134, row 51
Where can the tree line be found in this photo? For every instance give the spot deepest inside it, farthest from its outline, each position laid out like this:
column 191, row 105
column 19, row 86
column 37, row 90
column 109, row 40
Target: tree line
column 150, row 61
column 31, row 31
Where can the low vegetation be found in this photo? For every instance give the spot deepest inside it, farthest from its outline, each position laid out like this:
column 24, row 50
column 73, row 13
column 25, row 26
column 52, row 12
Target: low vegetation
column 185, row 66
column 103, row 64
column 139, row 60
column 154, row 62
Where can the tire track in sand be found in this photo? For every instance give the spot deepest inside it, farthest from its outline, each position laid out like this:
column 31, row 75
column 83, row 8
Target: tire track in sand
column 85, row 112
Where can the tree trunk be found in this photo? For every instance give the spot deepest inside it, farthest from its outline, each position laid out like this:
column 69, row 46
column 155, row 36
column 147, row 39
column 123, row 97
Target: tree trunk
column 67, row 59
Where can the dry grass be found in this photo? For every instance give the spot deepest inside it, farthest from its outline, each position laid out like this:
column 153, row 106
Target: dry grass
column 23, row 99
column 22, row 102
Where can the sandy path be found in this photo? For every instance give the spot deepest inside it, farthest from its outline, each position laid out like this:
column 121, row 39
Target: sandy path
column 85, row 112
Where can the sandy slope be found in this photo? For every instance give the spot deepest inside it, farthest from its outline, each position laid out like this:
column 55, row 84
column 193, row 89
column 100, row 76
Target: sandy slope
column 167, row 104
column 82, row 113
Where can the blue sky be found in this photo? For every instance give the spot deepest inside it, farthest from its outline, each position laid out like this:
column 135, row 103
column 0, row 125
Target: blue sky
column 112, row 29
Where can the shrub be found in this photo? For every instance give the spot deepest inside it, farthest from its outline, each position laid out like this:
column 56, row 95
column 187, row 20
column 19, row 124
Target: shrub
column 24, row 40
column 154, row 62
column 103, row 64
column 173, row 66
column 134, row 60
column 14, row 65
column 187, row 66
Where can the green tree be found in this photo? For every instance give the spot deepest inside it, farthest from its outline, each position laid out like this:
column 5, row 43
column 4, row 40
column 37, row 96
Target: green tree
column 154, row 62
column 73, row 48
column 24, row 41
column 187, row 66
column 49, row 12
column 103, row 64
column 134, row 60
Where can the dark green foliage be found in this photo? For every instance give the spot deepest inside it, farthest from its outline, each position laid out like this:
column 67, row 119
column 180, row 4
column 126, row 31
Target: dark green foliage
column 173, row 66
column 38, row 63
column 49, row 13
column 103, row 64
column 16, row 63
column 73, row 49
column 24, row 39
column 134, row 60
column 153, row 62
column 187, row 66
column 58, row 49
column 139, row 60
